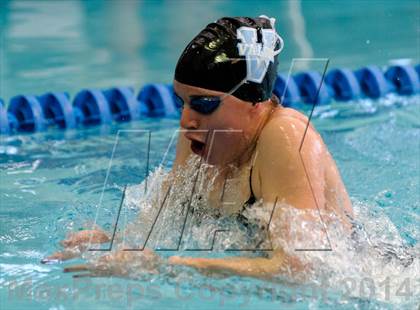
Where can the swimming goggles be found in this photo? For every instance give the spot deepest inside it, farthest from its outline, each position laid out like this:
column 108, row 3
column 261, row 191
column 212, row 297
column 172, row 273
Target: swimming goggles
column 206, row 104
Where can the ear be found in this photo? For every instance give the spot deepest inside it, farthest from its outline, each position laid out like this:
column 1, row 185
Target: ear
column 259, row 105
column 254, row 108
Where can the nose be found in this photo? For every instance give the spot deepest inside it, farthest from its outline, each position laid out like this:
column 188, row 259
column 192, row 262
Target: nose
column 189, row 119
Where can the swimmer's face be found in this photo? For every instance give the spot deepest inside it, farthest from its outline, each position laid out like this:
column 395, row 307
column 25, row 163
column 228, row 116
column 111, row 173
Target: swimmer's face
column 222, row 136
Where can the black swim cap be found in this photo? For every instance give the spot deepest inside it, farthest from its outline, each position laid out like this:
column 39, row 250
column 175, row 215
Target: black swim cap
column 231, row 51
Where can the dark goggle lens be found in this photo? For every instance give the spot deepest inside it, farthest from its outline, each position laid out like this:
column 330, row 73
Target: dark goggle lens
column 204, row 105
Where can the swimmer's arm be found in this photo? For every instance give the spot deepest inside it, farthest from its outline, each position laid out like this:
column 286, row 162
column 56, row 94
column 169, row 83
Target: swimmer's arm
column 242, row 266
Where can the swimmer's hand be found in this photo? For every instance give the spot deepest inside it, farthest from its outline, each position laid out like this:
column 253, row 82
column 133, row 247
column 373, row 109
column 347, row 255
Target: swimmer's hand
column 76, row 243
column 120, row 264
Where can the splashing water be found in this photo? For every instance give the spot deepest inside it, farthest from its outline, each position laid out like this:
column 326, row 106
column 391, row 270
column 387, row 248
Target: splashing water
column 370, row 262
column 375, row 265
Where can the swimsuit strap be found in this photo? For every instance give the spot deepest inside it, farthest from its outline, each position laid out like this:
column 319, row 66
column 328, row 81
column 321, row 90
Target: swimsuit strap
column 252, row 198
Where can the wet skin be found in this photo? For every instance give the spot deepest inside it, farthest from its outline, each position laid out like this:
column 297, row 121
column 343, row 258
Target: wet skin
column 267, row 137
column 285, row 168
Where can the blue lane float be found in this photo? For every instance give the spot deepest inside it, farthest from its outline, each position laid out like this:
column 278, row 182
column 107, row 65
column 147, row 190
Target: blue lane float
column 372, row 82
column 123, row 104
column 311, row 88
column 404, row 78
column 344, row 84
column 57, row 110
column 120, row 104
column 28, row 113
column 92, row 108
column 157, row 100
column 287, row 90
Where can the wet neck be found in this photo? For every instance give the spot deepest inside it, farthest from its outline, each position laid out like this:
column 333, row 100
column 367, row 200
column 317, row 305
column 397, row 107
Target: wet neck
column 249, row 153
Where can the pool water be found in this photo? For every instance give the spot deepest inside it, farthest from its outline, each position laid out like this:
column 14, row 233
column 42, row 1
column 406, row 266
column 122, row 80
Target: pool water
column 55, row 182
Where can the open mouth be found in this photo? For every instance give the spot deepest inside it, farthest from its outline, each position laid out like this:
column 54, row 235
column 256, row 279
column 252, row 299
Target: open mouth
column 198, row 147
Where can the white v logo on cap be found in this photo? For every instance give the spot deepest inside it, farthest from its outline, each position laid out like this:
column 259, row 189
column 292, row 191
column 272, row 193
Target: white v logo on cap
column 257, row 55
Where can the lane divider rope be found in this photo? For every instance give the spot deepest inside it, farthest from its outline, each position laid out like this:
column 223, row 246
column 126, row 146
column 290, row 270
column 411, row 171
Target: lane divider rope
column 29, row 113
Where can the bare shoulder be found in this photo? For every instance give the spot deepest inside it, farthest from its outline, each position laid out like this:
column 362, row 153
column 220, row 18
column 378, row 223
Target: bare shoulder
column 279, row 158
column 286, row 127
column 283, row 146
